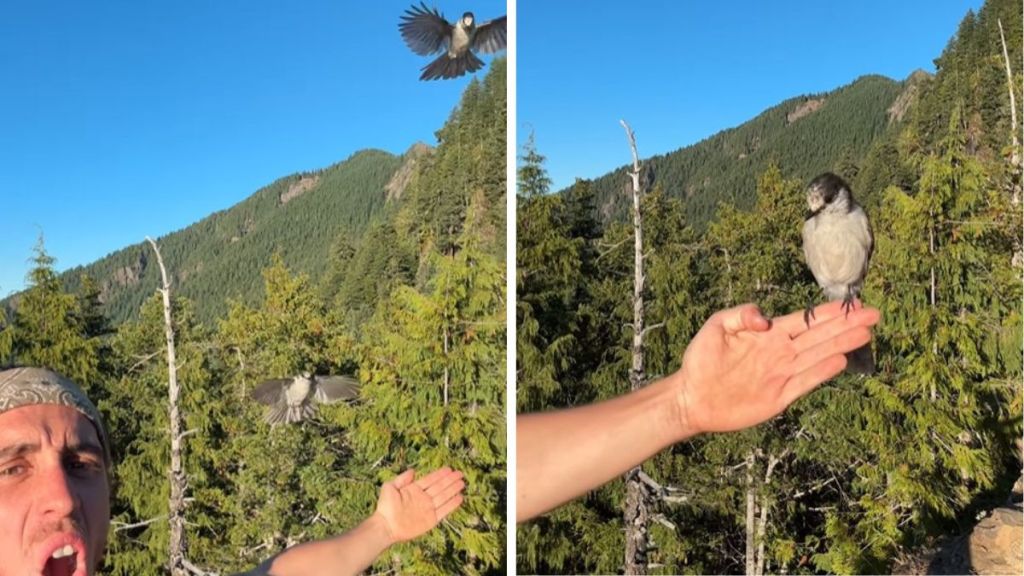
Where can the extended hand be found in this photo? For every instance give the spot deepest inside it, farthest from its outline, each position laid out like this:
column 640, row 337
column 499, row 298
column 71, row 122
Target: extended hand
column 411, row 508
column 742, row 369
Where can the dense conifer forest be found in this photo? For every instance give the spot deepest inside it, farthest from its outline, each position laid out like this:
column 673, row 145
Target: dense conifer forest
column 389, row 268
column 863, row 469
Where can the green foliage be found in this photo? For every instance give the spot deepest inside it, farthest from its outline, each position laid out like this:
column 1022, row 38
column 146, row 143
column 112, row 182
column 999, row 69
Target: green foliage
column 468, row 163
column 864, row 468
column 435, row 397
column 220, row 257
column 724, row 168
column 137, row 417
column 49, row 328
column 354, row 281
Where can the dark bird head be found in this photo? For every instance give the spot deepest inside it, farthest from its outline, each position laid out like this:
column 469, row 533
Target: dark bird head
column 827, row 192
column 467, row 19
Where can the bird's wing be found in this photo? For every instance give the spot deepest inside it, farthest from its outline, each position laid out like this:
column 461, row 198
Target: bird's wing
column 270, row 391
column 806, row 234
column 425, row 31
column 330, row 389
column 490, row 36
column 870, row 237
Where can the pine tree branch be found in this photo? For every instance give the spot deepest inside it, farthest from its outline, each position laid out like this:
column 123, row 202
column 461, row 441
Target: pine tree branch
column 121, row 526
column 143, row 360
column 814, row 488
column 611, row 248
column 652, row 327
column 660, row 519
column 193, row 569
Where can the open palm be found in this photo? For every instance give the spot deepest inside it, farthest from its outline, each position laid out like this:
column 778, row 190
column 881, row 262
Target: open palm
column 742, row 369
column 411, row 508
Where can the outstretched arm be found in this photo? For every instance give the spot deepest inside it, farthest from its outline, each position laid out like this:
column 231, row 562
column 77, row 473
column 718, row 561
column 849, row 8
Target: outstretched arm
column 406, row 509
column 739, row 370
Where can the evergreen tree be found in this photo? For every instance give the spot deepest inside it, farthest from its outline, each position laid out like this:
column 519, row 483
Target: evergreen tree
column 136, row 411
column 48, row 328
column 291, row 483
column 435, row 396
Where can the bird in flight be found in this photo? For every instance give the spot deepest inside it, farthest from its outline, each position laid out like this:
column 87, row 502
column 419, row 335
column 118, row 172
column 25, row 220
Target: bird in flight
column 427, row 32
column 293, row 399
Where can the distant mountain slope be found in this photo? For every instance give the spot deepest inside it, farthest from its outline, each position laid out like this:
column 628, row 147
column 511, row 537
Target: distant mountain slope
column 803, row 136
column 221, row 256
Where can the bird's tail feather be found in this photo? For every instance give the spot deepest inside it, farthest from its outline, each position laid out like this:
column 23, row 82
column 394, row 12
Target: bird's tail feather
column 284, row 414
column 861, row 361
column 447, row 67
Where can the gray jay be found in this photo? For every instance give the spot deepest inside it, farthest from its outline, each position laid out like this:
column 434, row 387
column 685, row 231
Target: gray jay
column 291, row 399
column 837, row 246
column 427, row 32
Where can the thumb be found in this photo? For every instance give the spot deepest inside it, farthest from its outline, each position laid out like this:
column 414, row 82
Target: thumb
column 746, row 317
column 403, row 479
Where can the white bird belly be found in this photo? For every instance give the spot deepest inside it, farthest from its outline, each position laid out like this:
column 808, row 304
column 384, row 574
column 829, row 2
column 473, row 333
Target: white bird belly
column 837, row 251
column 459, row 43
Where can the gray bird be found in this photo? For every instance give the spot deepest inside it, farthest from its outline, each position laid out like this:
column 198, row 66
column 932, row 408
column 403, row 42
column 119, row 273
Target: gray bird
column 426, row 32
column 292, row 399
column 837, row 246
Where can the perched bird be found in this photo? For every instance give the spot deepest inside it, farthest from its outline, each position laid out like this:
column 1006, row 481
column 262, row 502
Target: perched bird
column 291, row 399
column 837, row 246
column 426, row 32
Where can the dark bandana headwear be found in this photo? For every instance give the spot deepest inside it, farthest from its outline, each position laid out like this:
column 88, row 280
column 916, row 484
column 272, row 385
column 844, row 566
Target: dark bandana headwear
column 32, row 386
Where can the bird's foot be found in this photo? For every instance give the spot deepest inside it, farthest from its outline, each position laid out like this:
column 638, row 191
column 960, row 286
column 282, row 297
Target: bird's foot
column 809, row 313
column 848, row 305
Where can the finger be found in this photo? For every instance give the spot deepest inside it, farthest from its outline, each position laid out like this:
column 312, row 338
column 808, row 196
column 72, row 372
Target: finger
column 846, row 341
column 443, row 483
column 823, row 332
column 429, row 479
column 807, row 380
column 447, row 493
column 794, row 324
column 740, row 318
column 403, row 479
column 448, row 507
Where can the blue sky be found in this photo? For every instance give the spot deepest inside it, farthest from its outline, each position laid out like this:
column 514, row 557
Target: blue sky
column 122, row 119
column 680, row 71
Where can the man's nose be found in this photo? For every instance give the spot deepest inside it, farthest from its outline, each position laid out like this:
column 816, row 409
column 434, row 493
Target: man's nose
column 56, row 491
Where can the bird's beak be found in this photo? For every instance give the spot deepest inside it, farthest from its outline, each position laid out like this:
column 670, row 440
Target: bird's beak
column 815, row 202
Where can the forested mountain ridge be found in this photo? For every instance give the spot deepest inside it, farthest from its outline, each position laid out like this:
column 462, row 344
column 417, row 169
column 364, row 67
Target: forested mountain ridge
column 803, row 136
column 221, row 255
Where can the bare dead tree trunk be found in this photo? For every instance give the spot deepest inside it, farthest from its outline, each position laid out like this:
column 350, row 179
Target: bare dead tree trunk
column 931, row 252
column 241, row 370
column 1017, row 168
column 176, row 513
column 762, row 522
column 447, row 337
column 1015, row 153
column 751, row 514
column 637, row 511
column 447, row 376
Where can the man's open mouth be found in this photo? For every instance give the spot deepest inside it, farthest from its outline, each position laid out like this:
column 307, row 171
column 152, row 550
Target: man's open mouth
column 62, row 562
column 65, row 556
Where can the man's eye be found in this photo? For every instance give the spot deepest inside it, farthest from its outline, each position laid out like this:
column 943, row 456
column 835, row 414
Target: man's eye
column 12, row 470
column 82, row 465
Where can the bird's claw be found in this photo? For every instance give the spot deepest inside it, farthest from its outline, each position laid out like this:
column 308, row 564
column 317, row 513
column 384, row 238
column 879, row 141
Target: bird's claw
column 848, row 305
column 809, row 314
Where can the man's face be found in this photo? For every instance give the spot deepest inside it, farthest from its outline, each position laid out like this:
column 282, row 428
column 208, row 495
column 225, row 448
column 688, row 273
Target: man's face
column 54, row 496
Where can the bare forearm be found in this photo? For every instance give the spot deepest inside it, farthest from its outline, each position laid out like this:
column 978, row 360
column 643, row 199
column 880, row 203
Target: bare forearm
column 563, row 454
column 347, row 554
